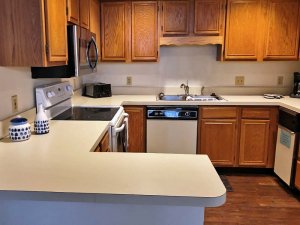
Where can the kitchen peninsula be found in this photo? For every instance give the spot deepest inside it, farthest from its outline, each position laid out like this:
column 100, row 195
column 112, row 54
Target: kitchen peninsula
column 56, row 179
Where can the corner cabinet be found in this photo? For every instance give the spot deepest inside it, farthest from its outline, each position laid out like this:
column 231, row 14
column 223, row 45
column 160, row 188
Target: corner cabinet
column 136, row 128
column 33, row 33
column 282, row 30
column 129, row 31
column 144, row 38
column 238, row 136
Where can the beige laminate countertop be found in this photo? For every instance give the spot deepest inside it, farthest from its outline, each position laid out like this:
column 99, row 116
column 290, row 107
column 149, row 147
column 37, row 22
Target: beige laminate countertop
column 62, row 161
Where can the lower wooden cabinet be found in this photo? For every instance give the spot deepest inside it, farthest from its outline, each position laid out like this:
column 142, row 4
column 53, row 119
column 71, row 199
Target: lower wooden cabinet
column 219, row 140
column 104, row 144
column 136, row 128
column 238, row 136
column 297, row 178
column 254, row 142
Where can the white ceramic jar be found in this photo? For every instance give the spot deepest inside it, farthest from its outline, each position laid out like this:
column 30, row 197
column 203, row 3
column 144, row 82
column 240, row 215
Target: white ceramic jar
column 19, row 129
column 41, row 122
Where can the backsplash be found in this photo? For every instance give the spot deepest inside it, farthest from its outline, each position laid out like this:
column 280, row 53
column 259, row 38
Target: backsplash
column 176, row 65
column 199, row 66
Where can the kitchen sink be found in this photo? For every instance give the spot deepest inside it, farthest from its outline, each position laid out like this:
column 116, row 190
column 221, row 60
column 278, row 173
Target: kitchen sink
column 202, row 98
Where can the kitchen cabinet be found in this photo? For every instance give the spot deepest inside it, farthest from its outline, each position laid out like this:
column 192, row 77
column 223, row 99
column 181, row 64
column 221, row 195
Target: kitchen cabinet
column 238, row 136
column 114, row 30
column 104, row 144
column 190, row 22
column 95, row 22
column 33, row 33
column 244, row 23
column 129, row 31
column 73, row 11
column 175, row 17
column 297, row 176
column 84, row 13
column 209, row 17
column 144, row 37
column 136, row 128
column 218, row 134
column 282, row 30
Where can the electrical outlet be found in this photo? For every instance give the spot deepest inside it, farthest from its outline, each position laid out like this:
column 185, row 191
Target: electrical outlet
column 14, row 103
column 129, row 80
column 239, row 80
column 280, row 80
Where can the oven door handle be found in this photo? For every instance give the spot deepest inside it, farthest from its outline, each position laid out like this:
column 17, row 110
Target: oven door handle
column 124, row 124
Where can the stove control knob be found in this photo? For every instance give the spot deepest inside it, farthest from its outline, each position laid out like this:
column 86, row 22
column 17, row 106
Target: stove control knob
column 187, row 114
column 49, row 94
column 53, row 93
column 69, row 88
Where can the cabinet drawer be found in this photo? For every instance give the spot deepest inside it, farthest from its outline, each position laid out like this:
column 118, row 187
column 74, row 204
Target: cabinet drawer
column 297, row 178
column 218, row 112
column 256, row 113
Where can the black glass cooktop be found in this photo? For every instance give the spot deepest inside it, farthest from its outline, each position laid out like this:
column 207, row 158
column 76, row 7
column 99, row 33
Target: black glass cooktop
column 88, row 113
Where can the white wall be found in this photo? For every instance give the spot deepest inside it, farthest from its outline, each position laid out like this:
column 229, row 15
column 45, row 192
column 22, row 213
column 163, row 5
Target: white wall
column 176, row 65
column 196, row 64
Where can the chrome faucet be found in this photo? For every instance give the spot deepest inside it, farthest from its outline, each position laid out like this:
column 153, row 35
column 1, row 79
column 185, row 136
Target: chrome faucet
column 186, row 88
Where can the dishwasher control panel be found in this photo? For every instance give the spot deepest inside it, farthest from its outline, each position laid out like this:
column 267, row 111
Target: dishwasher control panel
column 172, row 112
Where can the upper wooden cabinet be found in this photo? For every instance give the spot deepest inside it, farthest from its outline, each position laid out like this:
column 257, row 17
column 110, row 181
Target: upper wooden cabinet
column 95, row 22
column 84, row 13
column 282, row 30
column 144, row 37
column 73, row 11
column 114, row 31
column 129, row 31
column 33, row 33
column 243, row 28
column 209, row 17
column 175, row 17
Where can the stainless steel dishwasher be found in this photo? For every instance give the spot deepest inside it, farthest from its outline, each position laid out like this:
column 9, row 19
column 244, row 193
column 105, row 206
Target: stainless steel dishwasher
column 172, row 129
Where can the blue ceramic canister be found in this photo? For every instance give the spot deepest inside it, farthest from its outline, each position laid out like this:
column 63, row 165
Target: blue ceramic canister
column 19, row 129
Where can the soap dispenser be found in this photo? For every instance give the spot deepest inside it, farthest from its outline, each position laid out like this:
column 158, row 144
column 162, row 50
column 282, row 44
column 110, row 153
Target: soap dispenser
column 41, row 122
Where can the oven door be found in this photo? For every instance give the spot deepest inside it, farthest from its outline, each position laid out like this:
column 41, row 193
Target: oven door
column 119, row 135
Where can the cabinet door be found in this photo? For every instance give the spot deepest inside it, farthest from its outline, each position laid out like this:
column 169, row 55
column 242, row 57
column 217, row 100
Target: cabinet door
column 144, row 31
column 85, row 14
column 243, row 29
column 282, row 32
column 113, row 31
column 297, row 176
column 218, row 139
column 254, row 142
column 56, row 30
column 209, row 17
column 136, row 128
column 95, row 21
column 175, row 17
column 73, row 11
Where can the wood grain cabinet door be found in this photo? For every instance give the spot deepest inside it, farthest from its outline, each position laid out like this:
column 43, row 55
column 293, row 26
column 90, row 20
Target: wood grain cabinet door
column 282, row 31
column 218, row 139
column 175, row 17
column 254, row 142
column 113, row 31
column 56, row 30
column 136, row 128
column 144, row 37
column 209, row 17
column 297, row 175
column 243, row 24
column 95, row 22
column 73, row 11
column 85, row 14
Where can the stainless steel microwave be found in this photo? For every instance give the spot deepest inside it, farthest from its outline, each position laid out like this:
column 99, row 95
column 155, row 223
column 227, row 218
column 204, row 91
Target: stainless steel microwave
column 82, row 56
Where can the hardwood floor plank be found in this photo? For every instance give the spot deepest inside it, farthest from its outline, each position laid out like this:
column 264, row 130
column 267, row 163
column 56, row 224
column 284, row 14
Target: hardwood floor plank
column 257, row 199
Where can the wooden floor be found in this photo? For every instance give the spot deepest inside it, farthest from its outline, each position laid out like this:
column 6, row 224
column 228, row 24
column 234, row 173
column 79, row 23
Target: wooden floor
column 256, row 199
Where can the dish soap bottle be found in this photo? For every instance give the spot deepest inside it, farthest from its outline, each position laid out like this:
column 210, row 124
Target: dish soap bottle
column 41, row 122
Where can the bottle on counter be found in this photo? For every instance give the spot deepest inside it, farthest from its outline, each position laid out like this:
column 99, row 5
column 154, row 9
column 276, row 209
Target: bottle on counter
column 41, row 122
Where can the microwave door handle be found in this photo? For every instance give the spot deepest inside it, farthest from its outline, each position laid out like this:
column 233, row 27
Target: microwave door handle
column 90, row 43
